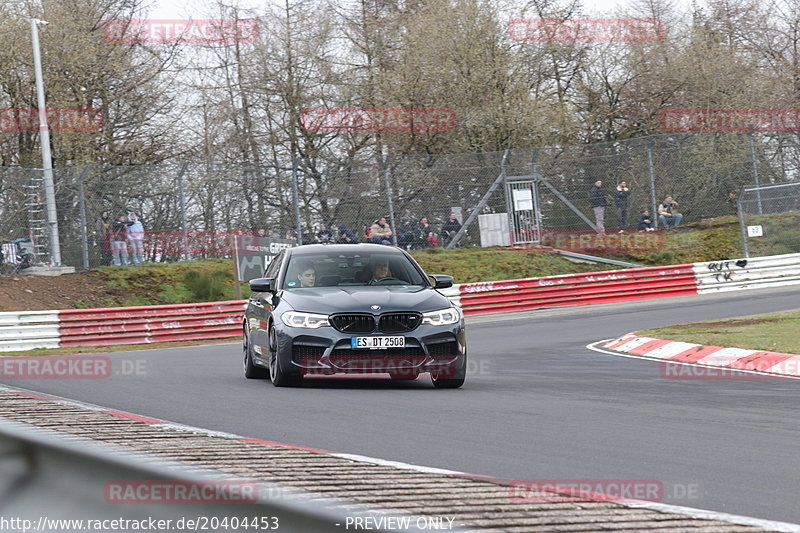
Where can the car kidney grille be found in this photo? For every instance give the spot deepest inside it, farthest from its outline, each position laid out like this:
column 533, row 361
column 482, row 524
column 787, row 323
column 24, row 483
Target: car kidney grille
column 399, row 322
column 354, row 323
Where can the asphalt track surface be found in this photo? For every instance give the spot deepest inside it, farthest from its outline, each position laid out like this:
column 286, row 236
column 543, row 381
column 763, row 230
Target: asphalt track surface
column 537, row 405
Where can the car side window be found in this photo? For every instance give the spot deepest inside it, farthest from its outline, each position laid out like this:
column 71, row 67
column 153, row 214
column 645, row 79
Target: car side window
column 274, row 266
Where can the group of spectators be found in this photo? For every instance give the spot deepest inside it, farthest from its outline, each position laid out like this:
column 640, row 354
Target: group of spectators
column 667, row 210
column 114, row 235
column 411, row 234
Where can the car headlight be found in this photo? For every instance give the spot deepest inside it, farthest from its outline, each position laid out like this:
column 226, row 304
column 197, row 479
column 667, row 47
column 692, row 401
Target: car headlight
column 442, row 318
column 296, row 319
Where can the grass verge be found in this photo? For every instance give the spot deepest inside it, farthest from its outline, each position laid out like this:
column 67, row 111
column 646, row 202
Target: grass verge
column 776, row 332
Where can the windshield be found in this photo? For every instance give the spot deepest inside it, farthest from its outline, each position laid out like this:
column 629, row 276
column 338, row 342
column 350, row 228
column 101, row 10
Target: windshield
column 351, row 269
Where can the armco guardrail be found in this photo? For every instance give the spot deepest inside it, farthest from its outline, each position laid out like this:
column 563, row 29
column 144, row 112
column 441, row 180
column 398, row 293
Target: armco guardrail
column 576, row 289
column 753, row 273
column 50, row 484
column 120, row 325
column 216, row 320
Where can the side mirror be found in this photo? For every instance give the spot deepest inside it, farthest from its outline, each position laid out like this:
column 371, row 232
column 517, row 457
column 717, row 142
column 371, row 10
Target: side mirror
column 441, row 281
column 262, row 285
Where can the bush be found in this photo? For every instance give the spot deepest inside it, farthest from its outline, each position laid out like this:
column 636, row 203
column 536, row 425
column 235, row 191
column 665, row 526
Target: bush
column 207, row 286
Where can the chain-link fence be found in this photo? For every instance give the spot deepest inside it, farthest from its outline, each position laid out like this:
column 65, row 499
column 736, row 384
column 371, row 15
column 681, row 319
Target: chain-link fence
column 770, row 219
column 190, row 209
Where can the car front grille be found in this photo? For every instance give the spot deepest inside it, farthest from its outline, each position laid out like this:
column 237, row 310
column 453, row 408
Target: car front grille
column 443, row 349
column 388, row 323
column 353, row 323
column 399, row 322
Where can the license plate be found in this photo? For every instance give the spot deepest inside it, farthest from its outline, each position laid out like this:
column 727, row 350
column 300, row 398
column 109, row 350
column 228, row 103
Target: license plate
column 377, row 343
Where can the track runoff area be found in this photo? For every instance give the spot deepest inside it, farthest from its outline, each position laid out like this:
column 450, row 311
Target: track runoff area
column 402, row 489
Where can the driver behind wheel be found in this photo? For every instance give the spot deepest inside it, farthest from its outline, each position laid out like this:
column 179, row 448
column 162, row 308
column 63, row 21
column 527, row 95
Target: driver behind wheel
column 380, row 269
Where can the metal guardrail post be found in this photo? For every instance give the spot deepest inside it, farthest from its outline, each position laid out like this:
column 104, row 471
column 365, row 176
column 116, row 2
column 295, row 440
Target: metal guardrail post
column 476, row 211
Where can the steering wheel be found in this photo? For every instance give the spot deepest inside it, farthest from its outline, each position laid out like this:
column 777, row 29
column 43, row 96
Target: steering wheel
column 376, row 281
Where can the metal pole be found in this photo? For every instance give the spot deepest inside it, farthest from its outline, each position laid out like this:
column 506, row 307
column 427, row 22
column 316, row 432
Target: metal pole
column 296, row 195
column 537, row 213
column 182, row 200
column 475, row 212
column 82, row 215
column 387, row 181
column 740, row 212
column 651, row 172
column 44, row 136
column 755, row 168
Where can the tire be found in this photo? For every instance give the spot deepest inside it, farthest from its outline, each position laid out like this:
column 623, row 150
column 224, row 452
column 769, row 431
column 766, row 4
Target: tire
column 251, row 371
column 454, row 379
column 277, row 375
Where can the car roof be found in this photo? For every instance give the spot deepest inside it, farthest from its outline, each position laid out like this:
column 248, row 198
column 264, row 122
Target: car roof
column 308, row 249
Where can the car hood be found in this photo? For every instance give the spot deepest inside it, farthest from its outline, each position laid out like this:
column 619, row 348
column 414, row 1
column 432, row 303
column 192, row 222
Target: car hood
column 359, row 299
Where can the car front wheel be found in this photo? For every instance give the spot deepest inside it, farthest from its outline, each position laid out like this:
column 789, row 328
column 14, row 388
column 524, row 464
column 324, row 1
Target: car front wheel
column 278, row 376
column 251, row 371
column 451, row 377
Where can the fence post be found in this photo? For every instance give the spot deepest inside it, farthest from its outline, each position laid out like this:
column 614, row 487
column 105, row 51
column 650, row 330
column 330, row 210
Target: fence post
column 82, row 215
column 296, row 199
column 387, row 160
column 754, row 161
column 652, row 174
column 740, row 213
column 477, row 209
column 182, row 201
column 537, row 212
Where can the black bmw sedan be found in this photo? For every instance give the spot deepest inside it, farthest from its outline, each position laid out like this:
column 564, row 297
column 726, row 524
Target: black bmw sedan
column 352, row 309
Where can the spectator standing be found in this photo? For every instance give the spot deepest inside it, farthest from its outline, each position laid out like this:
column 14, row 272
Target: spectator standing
column 119, row 248
column 621, row 194
column 324, row 235
column 103, row 237
column 380, row 232
column 645, row 220
column 450, row 228
column 261, row 233
column 135, row 234
column 668, row 215
column 597, row 199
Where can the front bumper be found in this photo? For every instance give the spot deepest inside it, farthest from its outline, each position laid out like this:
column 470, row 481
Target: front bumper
column 326, row 351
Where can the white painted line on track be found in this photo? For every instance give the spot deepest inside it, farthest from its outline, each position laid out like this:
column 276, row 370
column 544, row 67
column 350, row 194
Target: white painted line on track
column 686, row 511
column 611, row 353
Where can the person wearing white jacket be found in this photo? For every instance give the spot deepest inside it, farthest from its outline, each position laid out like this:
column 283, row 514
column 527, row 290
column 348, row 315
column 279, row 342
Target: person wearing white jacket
column 135, row 234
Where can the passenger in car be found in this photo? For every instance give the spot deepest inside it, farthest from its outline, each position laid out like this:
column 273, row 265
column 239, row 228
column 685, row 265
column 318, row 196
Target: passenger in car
column 307, row 276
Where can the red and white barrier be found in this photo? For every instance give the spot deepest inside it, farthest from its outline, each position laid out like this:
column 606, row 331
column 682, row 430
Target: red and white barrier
column 215, row 320
column 575, row 289
column 120, row 325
